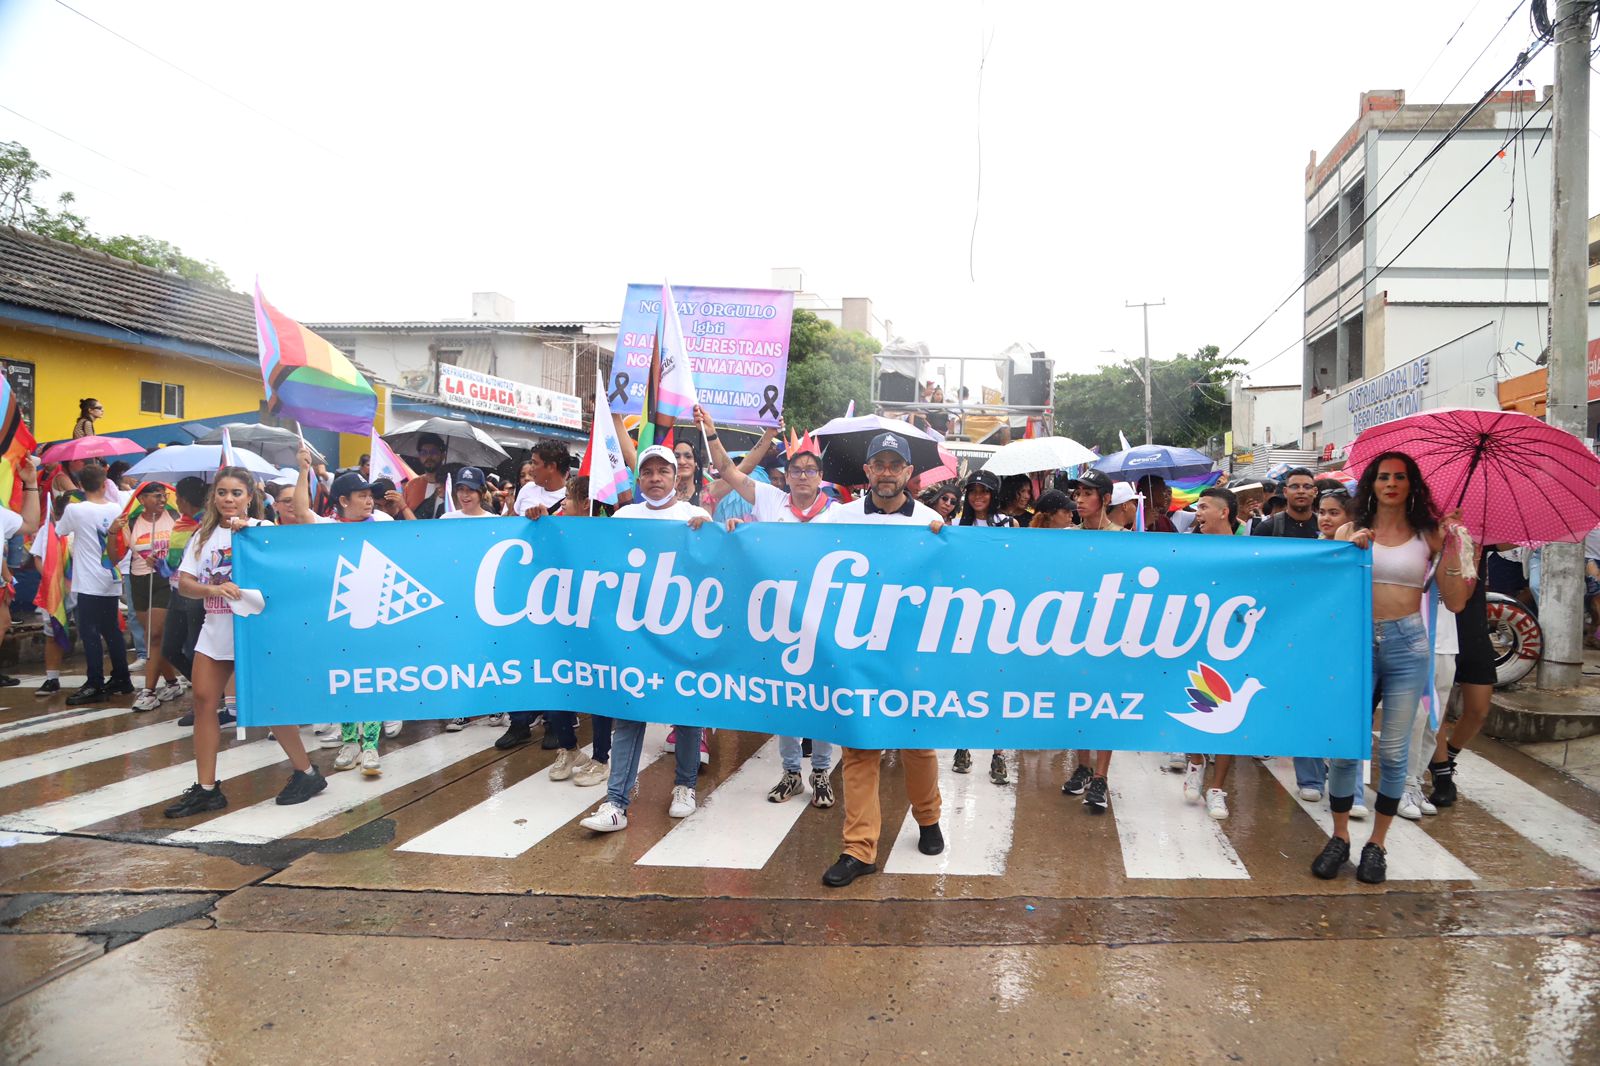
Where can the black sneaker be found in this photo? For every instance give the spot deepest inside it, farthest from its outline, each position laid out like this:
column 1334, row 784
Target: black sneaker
column 188, row 718
column 303, row 784
column 50, row 687
column 1444, row 783
column 997, row 770
column 197, row 801
column 805, row 747
column 1094, row 797
column 1078, row 781
column 86, row 695
column 515, row 736
column 120, row 688
column 788, row 787
column 550, row 742
column 847, row 869
column 930, row 839
column 1334, row 855
column 6, row 680
column 1374, row 868
column 225, row 717
column 821, row 790
column 963, row 763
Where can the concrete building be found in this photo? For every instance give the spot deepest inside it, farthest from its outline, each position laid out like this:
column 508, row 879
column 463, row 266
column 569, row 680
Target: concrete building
column 1264, row 416
column 852, row 313
column 1478, row 264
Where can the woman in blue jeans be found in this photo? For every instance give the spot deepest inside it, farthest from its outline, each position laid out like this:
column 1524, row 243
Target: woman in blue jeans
column 1395, row 517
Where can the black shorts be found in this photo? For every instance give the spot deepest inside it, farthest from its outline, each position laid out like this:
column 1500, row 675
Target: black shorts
column 149, row 590
column 1475, row 663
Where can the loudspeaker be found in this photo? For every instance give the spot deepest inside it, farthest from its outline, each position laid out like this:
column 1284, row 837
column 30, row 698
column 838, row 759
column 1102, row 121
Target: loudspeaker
column 897, row 388
column 1031, row 389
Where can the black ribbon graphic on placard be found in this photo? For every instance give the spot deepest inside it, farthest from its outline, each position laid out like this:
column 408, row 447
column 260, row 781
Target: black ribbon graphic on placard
column 619, row 391
column 769, row 402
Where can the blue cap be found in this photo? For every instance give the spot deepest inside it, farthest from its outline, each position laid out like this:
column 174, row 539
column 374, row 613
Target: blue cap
column 889, row 442
column 471, row 477
column 348, row 484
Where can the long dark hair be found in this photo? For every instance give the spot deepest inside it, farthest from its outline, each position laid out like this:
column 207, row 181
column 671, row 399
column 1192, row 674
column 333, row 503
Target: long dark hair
column 1420, row 512
column 213, row 517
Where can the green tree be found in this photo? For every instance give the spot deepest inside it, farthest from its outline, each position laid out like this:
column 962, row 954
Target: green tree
column 828, row 368
column 20, row 172
column 1188, row 401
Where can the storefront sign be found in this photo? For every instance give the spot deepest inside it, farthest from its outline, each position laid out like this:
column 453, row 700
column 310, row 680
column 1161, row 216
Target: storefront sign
column 1389, row 396
column 473, row 391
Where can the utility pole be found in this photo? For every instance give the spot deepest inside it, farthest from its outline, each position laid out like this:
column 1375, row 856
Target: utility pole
column 1145, row 308
column 1561, row 579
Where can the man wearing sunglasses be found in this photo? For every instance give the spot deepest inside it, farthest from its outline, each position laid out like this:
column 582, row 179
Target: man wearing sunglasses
column 1297, row 518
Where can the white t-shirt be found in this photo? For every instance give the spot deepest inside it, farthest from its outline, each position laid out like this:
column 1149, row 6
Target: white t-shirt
column 772, row 505
column 328, row 519
column 88, row 523
column 10, row 522
column 1445, row 640
column 533, row 495
column 1182, row 521
column 210, row 563
column 681, row 510
column 463, row 514
column 855, row 513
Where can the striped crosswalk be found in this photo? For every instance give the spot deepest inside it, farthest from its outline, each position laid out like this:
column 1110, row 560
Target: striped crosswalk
column 103, row 771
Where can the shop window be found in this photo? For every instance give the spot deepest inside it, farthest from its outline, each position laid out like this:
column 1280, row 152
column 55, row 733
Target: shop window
column 161, row 398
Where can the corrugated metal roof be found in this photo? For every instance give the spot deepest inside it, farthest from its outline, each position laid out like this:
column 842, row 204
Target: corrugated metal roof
column 48, row 275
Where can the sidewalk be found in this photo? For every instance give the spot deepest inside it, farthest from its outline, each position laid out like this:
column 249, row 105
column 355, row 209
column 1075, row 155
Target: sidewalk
column 1560, row 729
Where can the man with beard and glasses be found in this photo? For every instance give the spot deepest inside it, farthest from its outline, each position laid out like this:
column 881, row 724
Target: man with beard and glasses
column 424, row 493
column 1297, row 518
column 888, row 470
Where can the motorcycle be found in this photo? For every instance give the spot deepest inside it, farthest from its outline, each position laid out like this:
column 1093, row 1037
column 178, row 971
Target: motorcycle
column 1517, row 639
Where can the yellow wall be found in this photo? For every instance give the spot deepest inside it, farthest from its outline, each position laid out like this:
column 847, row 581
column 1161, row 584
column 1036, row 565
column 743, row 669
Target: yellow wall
column 66, row 369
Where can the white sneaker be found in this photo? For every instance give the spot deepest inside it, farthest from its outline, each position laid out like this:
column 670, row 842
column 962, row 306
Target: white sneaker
column 137, row 664
column 607, row 818
column 1410, row 808
column 682, row 802
column 1177, row 760
column 566, row 761
column 347, row 756
column 455, row 725
column 1359, row 811
column 146, row 700
column 496, row 720
column 1217, row 803
column 328, row 734
column 369, row 762
column 591, row 773
column 1422, row 801
column 392, row 729
column 168, row 691
column 1311, row 795
column 1194, row 776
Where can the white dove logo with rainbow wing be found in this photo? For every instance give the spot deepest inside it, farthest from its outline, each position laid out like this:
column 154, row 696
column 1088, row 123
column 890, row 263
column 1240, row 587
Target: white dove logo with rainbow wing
column 1217, row 707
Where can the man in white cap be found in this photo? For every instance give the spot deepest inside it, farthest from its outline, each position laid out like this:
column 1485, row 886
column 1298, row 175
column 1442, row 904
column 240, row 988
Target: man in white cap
column 658, row 499
column 1123, row 507
column 886, row 502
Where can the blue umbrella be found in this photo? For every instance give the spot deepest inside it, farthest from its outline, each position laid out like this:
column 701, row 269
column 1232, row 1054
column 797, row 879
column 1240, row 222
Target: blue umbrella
column 196, row 460
column 1157, row 459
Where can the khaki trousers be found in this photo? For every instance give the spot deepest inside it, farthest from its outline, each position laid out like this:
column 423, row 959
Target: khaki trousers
column 863, row 814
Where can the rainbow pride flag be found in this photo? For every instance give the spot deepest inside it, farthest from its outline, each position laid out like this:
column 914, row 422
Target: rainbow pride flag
column 307, row 378
column 118, row 542
column 182, row 531
column 55, row 566
column 1186, row 490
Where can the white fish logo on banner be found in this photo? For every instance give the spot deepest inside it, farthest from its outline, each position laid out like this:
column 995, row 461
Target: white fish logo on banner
column 377, row 592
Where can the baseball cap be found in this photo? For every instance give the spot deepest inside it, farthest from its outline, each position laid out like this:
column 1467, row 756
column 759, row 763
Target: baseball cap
column 1050, row 501
column 471, row 477
column 658, row 451
column 1096, row 479
column 382, row 487
column 987, row 478
column 348, row 484
column 889, row 442
column 1121, row 493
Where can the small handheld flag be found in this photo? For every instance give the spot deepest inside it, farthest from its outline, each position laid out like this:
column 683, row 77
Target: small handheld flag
column 229, row 456
column 602, row 460
column 449, row 496
column 676, row 394
column 385, row 463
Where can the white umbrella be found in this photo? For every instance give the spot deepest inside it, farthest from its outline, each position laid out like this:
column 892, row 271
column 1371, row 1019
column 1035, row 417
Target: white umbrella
column 1036, row 454
column 196, row 460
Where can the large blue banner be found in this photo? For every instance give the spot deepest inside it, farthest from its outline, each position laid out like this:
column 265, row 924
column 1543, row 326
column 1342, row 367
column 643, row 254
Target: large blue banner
column 873, row 637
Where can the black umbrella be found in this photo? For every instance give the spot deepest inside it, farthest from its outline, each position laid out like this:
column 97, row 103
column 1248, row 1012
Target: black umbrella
column 280, row 447
column 464, row 443
column 844, row 446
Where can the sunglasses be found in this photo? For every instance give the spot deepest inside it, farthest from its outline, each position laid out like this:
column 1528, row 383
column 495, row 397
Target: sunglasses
column 946, row 499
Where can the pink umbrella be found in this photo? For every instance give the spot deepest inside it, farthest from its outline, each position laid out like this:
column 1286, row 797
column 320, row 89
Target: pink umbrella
column 90, row 447
column 1516, row 479
column 949, row 467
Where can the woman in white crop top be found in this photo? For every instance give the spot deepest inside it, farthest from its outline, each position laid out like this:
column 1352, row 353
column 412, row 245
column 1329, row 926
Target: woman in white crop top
column 1395, row 517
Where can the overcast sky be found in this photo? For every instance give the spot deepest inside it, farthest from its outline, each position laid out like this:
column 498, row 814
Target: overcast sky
column 383, row 161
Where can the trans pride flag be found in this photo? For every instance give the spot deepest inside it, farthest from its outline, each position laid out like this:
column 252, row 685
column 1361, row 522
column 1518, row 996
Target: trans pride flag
column 602, row 463
column 307, row 378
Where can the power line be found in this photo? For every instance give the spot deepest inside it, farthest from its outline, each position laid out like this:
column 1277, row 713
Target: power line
column 1338, row 310
column 87, row 148
column 198, row 79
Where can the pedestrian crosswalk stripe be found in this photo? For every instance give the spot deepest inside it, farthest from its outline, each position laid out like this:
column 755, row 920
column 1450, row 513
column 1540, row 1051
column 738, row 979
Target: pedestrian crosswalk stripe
column 1162, row 834
column 69, row 682
column 137, row 792
column 268, row 821
column 1413, row 855
column 49, row 723
column 735, row 827
column 27, row 767
column 1551, row 826
column 976, row 818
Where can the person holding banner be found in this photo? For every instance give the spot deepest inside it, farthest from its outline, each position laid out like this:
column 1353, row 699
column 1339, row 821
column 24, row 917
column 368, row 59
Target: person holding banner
column 546, row 484
column 657, row 482
column 1394, row 516
column 1216, row 513
column 472, row 493
column 802, row 503
column 206, row 573
column 888, row 470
